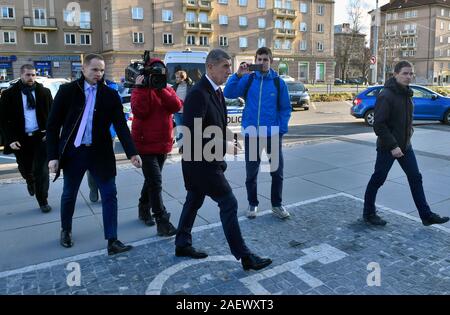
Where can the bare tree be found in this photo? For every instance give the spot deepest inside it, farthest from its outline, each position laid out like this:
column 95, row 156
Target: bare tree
column 348, row 51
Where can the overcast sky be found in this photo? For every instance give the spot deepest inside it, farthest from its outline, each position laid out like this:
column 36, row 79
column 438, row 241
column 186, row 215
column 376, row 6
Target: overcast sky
column 341, row 15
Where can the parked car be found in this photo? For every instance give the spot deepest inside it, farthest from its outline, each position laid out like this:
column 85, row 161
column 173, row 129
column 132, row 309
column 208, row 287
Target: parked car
column 298, row 94
column 287, row 78
column 338, row 81
column 355, row 81
column 428, row 105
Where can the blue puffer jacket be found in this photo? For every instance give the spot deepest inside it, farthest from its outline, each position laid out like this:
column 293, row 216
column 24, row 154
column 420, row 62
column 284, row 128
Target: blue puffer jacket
column 261, row 105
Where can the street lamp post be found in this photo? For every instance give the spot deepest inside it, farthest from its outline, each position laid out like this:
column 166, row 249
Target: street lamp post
column 375, row 46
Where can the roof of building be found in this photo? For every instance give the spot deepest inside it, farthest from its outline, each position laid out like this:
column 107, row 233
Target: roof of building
column 402, row 4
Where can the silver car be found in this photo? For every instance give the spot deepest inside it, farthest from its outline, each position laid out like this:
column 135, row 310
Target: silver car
column 298, row 95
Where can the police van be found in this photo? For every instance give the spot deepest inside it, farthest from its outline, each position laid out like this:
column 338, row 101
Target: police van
column 193, row 62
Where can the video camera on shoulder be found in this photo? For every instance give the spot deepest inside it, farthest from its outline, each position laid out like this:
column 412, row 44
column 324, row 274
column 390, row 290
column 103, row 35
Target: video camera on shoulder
column 154, row 75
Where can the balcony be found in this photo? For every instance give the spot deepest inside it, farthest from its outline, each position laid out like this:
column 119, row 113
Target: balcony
column 284, row 32
column 39, row 24
column 202, row 5
column 198, row 27
column 287, row 13
column 407, row 45
column 408, row 32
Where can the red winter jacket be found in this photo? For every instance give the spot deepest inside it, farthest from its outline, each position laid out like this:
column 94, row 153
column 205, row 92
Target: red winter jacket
column 152, row 123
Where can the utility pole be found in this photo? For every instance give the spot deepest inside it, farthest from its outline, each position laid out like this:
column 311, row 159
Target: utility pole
column 375, row 46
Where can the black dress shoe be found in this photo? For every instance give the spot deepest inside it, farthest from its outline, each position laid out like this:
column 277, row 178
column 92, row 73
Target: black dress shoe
column 66, row 239
column 46, row 208
column 374, row 219
column 434, row 219
column 93, row 195
column 118, row 247
column 189, row 251
column 255, row 262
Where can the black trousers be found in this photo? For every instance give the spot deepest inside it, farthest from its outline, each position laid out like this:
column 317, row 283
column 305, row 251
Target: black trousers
column 32, row 163
column 151, row 193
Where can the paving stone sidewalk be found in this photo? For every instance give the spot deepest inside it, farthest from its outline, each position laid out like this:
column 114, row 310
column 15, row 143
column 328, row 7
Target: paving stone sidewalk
column 324, row 248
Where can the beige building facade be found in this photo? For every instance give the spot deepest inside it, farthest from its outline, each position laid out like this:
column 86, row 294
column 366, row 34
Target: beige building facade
column 417, row 31
column 299, row 32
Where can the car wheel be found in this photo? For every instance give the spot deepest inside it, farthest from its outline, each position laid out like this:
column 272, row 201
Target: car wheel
column 446, row 119
column 306, row 108
column 369, row 117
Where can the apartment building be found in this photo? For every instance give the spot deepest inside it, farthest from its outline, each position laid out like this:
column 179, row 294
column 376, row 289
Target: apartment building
column 417, row 31
column 48, row 34
column 298, row 31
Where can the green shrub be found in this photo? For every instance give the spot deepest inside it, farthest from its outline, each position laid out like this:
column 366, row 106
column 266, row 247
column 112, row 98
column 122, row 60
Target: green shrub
column 333, row 97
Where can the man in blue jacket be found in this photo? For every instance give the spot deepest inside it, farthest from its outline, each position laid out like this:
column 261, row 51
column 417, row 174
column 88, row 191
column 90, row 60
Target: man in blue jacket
column 264, row 120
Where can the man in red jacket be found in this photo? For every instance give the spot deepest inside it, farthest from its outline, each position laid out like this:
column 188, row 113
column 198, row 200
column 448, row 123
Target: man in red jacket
column 152, row 133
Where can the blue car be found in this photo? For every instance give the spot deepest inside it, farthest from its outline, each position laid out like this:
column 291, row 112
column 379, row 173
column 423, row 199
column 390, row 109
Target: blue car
column 428, row 105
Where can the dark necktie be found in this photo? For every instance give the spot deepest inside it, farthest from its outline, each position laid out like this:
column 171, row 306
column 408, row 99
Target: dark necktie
column 220, row 95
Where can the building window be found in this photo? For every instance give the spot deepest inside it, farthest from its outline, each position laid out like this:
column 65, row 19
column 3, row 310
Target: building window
column 278, row 24
column 320, row 28
column 414, row 13
column 278, row 4
column 442, row 25
column 261, row 4
column 277, row 44
column 223, row 19
column 39, row 17
column 287, row 45
column 303, row 7
column 242, row 21
column 85, row 39
column 168, row 38
column 204, row 40
column 303, row 45
column 303, row 71
column 106, row 38
column 441, row 39
column 167, row 15
column 243, row 42
column 223, row 1
column 223, row 41
column 70, row 39
column 242, row 3
column 138, row 37
column 190, row 40
column 288, row 4
column 319, row 46
column 261, row 23
column 303, row 27
column 203, row 17
column 261, row 42
column 85, row 20
column 288, row 24
column 9, row 37
column 106, row 14
column 40, row 38
column 191, row 17
column 7, row 13
column 320, row 9
column 442, row 12
column 137, row 13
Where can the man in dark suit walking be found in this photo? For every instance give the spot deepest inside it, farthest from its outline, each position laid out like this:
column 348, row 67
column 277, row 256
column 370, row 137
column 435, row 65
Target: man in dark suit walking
column 85, row 109
column 24, row 111
column 203, row 173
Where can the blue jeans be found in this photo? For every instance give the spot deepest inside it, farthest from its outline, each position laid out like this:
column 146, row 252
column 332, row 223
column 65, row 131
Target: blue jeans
column 253, row 150
column 228, row 215
column 409, row 165
column 76, row 164
column 179, row 122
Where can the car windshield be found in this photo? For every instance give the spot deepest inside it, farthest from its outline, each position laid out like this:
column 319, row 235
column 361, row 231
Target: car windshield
column 295, row 87
column 54, row 86
column 193, row 70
